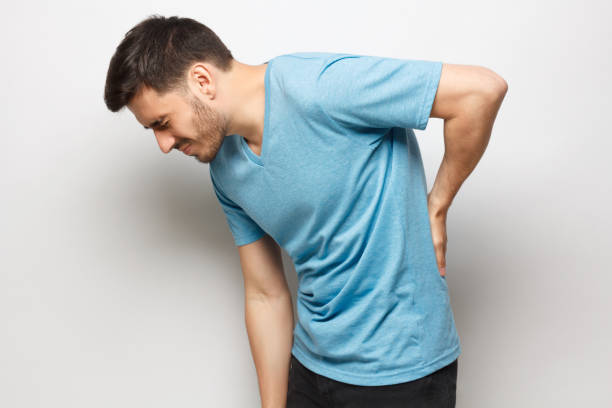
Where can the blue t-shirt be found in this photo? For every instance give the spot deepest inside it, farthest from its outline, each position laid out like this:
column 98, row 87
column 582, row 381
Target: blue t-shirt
column 340, row 186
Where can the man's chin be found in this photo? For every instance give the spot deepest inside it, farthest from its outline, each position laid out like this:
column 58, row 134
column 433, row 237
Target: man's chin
column 202, row 159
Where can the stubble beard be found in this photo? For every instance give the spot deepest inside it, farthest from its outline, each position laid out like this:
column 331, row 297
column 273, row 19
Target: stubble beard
column 211, row 129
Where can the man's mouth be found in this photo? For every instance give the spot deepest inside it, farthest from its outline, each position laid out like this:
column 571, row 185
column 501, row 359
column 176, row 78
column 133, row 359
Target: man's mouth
column 186, row 149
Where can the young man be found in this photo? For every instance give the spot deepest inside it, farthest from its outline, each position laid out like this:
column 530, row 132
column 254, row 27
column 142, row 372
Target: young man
column 315, row 152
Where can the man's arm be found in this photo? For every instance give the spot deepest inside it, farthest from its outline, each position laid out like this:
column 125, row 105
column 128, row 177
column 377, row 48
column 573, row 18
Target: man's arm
column 468, row 98
column 268, row 317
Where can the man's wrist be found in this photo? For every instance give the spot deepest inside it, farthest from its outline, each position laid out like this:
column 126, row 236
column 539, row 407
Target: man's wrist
column 436, row 205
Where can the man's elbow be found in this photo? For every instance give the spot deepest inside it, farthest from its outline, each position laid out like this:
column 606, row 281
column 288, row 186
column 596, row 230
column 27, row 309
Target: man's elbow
column 465, row 90
column 493, row 85
column 485, row 97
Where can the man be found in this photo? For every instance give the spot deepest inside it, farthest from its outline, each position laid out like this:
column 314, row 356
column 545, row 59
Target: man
column 315, row 153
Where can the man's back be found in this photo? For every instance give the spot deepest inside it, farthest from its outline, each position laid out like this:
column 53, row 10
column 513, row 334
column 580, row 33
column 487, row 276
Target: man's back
column 339, row 184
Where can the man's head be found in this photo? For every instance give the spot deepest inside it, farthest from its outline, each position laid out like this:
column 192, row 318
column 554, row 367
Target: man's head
column 165, row 71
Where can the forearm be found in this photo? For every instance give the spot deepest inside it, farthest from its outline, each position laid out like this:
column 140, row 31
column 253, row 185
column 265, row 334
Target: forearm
column 466, row 136
column 269, row 322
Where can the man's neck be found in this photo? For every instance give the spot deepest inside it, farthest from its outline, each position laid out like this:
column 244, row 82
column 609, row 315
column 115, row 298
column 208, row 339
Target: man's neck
column 248, row 103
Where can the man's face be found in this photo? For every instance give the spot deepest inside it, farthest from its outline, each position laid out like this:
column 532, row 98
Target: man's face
column 180, row 121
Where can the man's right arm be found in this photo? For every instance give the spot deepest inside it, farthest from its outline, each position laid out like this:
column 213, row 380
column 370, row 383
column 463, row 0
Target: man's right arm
column 268, row 317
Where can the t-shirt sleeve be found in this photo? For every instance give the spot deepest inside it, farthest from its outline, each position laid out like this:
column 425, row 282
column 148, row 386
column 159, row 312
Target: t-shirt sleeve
column 244, row 230
column 378, row 92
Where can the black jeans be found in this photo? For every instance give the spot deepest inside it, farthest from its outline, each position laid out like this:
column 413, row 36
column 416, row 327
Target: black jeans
column 308, row 389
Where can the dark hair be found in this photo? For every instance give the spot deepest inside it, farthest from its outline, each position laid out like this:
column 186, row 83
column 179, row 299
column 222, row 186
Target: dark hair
column 157, row 52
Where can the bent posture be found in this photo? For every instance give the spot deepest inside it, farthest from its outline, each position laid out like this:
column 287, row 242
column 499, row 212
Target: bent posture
column 315, row 153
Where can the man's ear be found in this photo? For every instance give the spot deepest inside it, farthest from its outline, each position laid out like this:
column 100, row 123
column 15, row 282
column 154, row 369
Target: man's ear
column 201, row 78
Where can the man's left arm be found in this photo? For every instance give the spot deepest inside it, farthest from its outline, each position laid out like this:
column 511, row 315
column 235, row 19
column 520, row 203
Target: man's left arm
column 468, row 99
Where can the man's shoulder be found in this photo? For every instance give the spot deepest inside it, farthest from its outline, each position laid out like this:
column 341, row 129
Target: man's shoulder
column 308, row 54
column 307, row 58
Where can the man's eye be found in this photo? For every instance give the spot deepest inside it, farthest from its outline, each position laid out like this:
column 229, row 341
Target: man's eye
column 164, row 126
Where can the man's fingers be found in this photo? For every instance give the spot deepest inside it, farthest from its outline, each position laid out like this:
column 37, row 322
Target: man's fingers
column 438, row 232
column 441, row 260
column 439, row 241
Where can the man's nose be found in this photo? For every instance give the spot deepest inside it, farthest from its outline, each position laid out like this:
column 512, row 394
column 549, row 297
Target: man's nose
column 165, row 140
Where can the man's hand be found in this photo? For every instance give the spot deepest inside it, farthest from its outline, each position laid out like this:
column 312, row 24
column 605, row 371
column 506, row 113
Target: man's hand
column 437, row 221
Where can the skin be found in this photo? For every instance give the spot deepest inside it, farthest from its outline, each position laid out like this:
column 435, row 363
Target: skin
column 207, row 107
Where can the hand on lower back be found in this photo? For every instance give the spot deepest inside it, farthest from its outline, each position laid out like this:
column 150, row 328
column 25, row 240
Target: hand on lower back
column 437, row 221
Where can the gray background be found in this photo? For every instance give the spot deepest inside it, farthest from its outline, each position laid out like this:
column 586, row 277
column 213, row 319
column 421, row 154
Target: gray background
column 120, row 284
